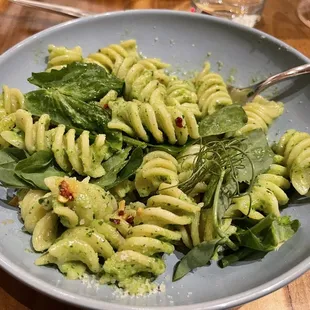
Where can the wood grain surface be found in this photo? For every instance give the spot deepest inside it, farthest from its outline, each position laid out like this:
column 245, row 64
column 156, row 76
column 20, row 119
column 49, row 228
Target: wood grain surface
column 17, row 23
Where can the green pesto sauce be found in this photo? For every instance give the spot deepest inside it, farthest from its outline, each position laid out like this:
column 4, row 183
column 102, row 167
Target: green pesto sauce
column 136, row 285
column 134, row 276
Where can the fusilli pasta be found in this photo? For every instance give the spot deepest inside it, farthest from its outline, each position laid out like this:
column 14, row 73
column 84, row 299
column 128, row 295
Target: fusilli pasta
column 157, row 167
column 77, row 203
column 38, row 221
column 295, row 147
column 261, row 113
column 70, row 153
column 178, row 123
column 11, row 100
column 211, row 91
column 267, row 194
column 60, row 56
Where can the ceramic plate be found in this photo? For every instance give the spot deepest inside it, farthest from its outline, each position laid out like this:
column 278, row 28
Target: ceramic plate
column 185, row 40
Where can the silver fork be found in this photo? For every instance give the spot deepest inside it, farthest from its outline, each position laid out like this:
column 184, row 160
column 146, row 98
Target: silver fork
column 60, row 9
column 246, row 94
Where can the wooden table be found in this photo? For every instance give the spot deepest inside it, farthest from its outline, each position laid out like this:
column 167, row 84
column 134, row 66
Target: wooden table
column 18, row 23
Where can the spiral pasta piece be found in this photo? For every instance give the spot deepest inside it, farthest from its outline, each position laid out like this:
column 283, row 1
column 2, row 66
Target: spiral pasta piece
column 70, row 153
column 80, row 247
column 141, row 83
column 202, row 229
column 295, row 147
column 157, row 167
column 211, row 91
column 86, row 209
column 261, row 113
column 151, row 235
column 186, row 163
column 76, row 249
column 180, row 92
column 112, row 56
column 134, row 117
column 268, row 193
column 38, row 221
column 60, row 56
column 77, row 203
column 11, row 100
column 177, row 207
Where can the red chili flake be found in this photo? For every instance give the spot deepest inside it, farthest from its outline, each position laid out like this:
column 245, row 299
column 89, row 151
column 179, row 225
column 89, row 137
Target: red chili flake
column 106, row 106
column 193, row 10
column 179, row 122
column 121, row 212
column 115, row 221
column 64, row 190
column 130, row 219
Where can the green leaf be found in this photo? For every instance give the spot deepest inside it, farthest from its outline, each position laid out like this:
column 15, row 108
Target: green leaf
column 256, row 147
column 281, row 230
column 11, row 155
column 36, row 168
column 120, row 168
column 8, row 178
column 135, row 142
column 69, row 96
column 67, row 110
column 131, row 167
column 239, row 255
column 81, row 81
column 113, row 166
column 9, row 158
column 227, row 119
column 199, row 256
column 171, row 149
column 38, row 160
column 269, row 234
column 228, row 190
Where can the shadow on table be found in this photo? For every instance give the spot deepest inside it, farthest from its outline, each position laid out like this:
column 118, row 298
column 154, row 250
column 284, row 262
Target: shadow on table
column 26, row 296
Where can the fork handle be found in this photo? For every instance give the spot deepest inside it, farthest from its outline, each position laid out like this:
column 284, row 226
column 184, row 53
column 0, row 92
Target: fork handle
column 61, row 9
column 300, row 70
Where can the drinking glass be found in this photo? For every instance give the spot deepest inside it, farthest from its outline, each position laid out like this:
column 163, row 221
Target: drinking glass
column 246, row 12
column 303, row 11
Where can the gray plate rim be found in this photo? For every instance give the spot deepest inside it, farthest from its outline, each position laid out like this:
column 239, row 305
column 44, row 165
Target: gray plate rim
column 222, row 303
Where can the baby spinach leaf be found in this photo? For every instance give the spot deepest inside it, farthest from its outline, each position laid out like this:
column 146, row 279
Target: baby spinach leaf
column 227, row 119
column 281, row 229
column 8, row 178
column 269, row 234
column 9, row 158
column 199, row 256
column 228, row 190
column 112, row 167
column 171, row 149
column 234, row 257
column 38, row 160
column 120, row 168
column 131, row 167
column 68, row 96
column 135, row 142
column 36, row 168
column 10, row 155
column 67, row 110
column 81, row 81
column 256, row 147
